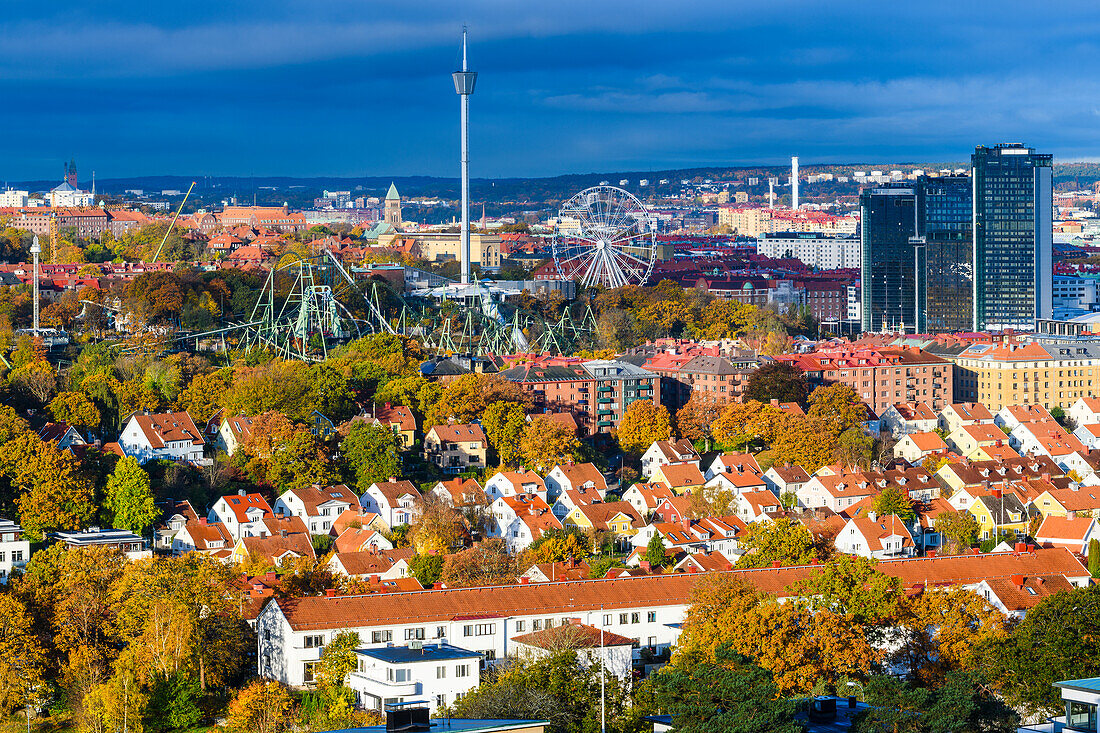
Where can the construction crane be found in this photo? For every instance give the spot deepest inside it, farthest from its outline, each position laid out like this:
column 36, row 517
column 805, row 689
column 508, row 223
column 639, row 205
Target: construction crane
column 170, row 226
column 53, row 239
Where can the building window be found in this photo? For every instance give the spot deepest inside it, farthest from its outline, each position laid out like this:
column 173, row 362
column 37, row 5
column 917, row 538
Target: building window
column 16, row 556
column 441, row 672
column 651, row 617
column 521, row 625
column 411, row 634
column 313, row 642
column 440, row 700
column 462, row 670
column 479, row 629
column 381, row 637
column 635, row 618
column 307, row 672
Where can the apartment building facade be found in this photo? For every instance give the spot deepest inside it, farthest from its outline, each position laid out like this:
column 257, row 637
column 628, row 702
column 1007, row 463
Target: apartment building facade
column 1052, row 375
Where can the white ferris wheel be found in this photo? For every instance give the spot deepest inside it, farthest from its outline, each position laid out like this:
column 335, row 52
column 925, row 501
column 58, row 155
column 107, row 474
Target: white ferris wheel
column 605, row 237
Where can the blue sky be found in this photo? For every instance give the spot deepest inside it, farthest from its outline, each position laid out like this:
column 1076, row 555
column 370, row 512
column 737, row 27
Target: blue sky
column 363, row 88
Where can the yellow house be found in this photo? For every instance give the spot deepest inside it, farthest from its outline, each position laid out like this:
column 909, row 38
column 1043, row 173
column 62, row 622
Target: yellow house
column 680, row 477
column 617, row 517
column 999, row 514
column 1082, row 502
column 967, row 439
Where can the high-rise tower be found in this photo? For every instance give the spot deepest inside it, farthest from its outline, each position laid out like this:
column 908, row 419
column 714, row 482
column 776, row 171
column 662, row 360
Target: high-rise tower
column 888, row 224
column 464, row 86
column 794, row 182
column 1013, row 236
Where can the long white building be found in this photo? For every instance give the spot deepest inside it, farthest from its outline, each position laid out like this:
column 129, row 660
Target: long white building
column 820, row 251
column 649, row 609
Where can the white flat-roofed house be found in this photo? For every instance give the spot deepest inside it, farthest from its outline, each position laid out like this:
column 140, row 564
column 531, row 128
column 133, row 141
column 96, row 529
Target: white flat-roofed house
column 128, row 543
column 14, row 550
column 438, row 673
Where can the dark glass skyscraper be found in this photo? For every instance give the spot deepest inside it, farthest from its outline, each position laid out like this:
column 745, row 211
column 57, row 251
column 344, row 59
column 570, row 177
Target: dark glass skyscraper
column 888, row 225
column 1013, row 237
column 944, row 254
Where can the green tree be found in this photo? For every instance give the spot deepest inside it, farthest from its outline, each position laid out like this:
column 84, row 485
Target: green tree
column 891, row 500
column 854, row 587
column 370, row 453
column 655, row 550
column 776, row 380
column 728, row 695
column 641, row 425
column 958, row 529
column 1056, row 641
column 129, row 499
column 504, row 424
column 331, row 394
column 173, row 702
column 963, row 703
column 1094, row 557
column 426, row 569
column 784, row 541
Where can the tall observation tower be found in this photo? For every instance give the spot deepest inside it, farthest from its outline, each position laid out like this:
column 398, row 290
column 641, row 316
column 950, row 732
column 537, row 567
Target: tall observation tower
column 464, row 86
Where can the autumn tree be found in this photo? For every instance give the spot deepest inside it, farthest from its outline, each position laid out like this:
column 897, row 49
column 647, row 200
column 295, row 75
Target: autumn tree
column 264, row 706
column 547, row 443
column 22, row 659
column 735, row 426
column 641, row 424
column 837, row 405
column 371, row 455
column 504, row 424
column 852, row 586
column 436, row 526
column 466, row 398
column 129, row 499
column 204, row 395
column 943, row 630
column 279, row 386
column 52, row 494
column 427, row 569
column 695, row 420
column 558, row 545
column 785, row 541
column 776, row 380
column 74, row 408
column 486, row 563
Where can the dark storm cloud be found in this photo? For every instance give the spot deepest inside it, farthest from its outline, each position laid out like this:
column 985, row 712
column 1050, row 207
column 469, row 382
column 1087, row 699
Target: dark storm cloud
column 353, row 88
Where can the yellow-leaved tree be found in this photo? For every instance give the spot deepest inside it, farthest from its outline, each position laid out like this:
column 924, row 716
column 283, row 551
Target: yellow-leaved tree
column 641, row 425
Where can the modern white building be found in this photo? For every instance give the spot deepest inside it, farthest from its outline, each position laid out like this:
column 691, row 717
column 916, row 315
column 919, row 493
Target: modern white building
column 14, row 550
column 819, row 251
column 438, row 673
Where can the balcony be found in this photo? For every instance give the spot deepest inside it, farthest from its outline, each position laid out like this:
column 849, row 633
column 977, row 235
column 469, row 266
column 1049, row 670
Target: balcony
column 605, row 412
column 604, row 423
column 604, row 400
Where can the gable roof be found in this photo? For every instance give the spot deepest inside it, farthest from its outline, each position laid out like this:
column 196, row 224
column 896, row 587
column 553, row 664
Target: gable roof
column 600, row 514
column 968, row 411
column 877, row 531
column 168, row 427
column 460, row 488
column 273, row 548
column 1063, row 529
column 314, row 496
column 240, row 505
column 579, row 474
column 459, row 433
column 372, row 563
column 682, row 474
column 394, row 490
column 573, row 635
column 929, row 441
column 396, row 415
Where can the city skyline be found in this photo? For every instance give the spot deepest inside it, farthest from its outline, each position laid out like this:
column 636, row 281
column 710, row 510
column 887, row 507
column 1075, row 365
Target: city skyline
column 293, row 90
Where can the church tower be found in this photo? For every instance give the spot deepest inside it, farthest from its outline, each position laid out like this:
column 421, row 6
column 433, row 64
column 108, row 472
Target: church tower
column 393, row 207
column 70, row 173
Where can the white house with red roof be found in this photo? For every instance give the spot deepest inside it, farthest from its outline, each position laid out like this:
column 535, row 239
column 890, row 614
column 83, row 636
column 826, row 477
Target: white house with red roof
column 664, row 452
column 208, row 538
column 317, row 506
column 786, row 479
column 1050, row 439
column 757, row 506
column 242, row 514
column 646, row 497
column 171, row 436
column 836, row 491
column 520, row 520
column 739, row 463
column 903, row 418
column 1012, row 415
column 1089, row 435
column 569, row 476
column 510, row 483
column 876, row 537
column 63, row 433
column 392, row 500
column 915, row 447
column 1085, row 411
column 964, row 413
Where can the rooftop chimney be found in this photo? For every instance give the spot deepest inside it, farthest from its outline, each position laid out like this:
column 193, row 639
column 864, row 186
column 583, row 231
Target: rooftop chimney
column 330, row 592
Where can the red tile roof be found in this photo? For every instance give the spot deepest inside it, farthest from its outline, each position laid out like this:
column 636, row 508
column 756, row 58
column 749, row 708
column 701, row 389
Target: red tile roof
column 566, row 597
column 168, row 427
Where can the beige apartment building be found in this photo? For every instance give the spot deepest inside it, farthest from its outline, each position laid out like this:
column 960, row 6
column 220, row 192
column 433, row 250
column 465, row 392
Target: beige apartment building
column 1051, row 375
column 750, row 222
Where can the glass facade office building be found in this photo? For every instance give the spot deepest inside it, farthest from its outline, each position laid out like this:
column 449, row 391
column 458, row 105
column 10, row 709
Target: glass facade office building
column 944, row 254
column 888, row 282
column 1013, row 237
